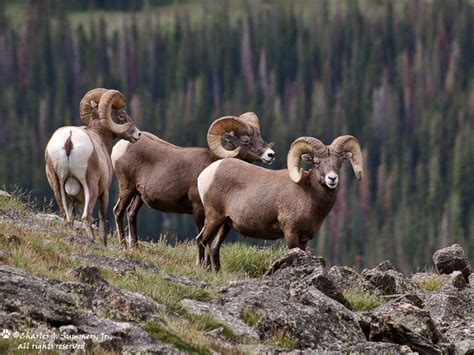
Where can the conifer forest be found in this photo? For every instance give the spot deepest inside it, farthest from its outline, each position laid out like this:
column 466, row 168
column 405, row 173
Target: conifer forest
column 398, row 75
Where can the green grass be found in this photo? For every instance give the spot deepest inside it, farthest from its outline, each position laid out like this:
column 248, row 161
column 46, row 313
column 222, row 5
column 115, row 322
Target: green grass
column 282, row 339
column 162, row 334
column 363, row 301
column 251, row 316
column 432, row 282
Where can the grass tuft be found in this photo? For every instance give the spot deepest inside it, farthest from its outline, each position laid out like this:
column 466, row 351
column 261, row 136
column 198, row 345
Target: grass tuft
column 162, row 334
column 251, row 316
column 282, row 339
column 363, row 301
column 432, row 282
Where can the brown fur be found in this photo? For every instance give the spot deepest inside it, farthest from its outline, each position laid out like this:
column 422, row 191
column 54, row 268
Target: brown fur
column 164, row 177
column 68, row 145
column 266, row 204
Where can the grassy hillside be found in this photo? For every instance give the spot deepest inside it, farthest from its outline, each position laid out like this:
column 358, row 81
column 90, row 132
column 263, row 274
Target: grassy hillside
column 40, row 244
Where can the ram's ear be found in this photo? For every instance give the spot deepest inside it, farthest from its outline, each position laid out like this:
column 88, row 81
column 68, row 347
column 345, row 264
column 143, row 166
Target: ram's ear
column 228, row 135
column 307, row 158
column 347, row 156
column 93, row 104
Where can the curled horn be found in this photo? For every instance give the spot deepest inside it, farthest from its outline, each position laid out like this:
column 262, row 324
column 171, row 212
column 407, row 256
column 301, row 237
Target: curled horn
column 217, row 129
column 301, row 146
column 251, row 118
column 350, row 144
column 85, row 107
column 115, row 99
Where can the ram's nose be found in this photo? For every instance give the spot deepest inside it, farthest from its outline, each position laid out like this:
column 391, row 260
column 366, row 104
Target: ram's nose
column 268, row 156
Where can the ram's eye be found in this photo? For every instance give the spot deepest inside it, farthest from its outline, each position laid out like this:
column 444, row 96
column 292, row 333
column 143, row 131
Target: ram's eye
column 245, row 140
column 317, row 162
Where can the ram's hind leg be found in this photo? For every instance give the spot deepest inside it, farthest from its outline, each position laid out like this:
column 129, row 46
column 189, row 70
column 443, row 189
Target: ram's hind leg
column 215, row 247
column 206, row 235
column 119, row 210
column 104, row 203
column 90, row 195
column 55, row 185
column 132, row 212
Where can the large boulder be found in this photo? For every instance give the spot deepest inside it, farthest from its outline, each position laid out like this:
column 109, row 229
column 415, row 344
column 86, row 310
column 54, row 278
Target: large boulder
column 112, row 317
column 404, row 323
column 295, row 298
column 450, row 259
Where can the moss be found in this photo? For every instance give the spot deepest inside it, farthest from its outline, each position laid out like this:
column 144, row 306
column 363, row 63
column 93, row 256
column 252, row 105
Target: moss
column 432, row 282
column 363, row 301
column 162, row 334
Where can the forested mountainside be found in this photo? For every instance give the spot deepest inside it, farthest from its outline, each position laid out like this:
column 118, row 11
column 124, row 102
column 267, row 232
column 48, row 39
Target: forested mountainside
column 398, row 75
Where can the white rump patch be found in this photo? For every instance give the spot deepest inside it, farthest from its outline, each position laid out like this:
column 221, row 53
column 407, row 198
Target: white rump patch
column 119, row 150
column 76, row 164
column 206, row 178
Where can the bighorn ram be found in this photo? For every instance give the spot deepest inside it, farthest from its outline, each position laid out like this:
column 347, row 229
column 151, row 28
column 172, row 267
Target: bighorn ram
column 78, row 165
column 164, row 175
column 273, row 204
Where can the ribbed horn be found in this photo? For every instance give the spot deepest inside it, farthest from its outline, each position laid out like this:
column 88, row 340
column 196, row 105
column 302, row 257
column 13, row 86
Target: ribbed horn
column 251, row 118
column 350, row 144
column 85, row 107
column 112, row 99
column 301, row 146
column 217, row 129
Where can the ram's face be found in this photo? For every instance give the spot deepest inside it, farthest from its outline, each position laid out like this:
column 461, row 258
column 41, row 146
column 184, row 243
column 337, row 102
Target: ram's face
column 121, row 116
column 325, row 169
column 252, row 147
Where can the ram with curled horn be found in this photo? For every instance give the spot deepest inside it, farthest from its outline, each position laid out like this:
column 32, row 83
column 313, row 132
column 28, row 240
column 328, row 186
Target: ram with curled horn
column 164, row 175
column 273, row 204
column 78, row 165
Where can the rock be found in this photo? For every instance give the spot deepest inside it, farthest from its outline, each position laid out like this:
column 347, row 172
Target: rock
column 451, row 259
column 385, row 280
column 29, row 303
column 88, row 274
column 4, row 256
column 68, row 329
column 119, row 336
column 215, row 332
column 345, row 277
column 405, row 324
column 189, row 281
column 371, row 347
column 230, row 316
column 288, row 300
column 4, row 194
column 296, row 258
column 458, row 280
column 117, row 265
column 298, row 270
column 385, row 265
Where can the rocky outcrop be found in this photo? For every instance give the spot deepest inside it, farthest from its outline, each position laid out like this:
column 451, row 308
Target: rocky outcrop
column 450, row 259
column 116, row 265
column 112, row 317
column 299, row 299
column 294, row 298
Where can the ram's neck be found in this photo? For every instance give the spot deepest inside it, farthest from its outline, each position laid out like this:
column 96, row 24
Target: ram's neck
column 323, row 200
column 105, row 135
